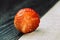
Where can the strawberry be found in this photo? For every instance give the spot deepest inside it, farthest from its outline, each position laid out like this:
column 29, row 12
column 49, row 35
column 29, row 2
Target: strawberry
column 26, row 20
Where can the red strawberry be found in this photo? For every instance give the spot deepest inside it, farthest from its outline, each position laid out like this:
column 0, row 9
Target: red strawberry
column 26, row 20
